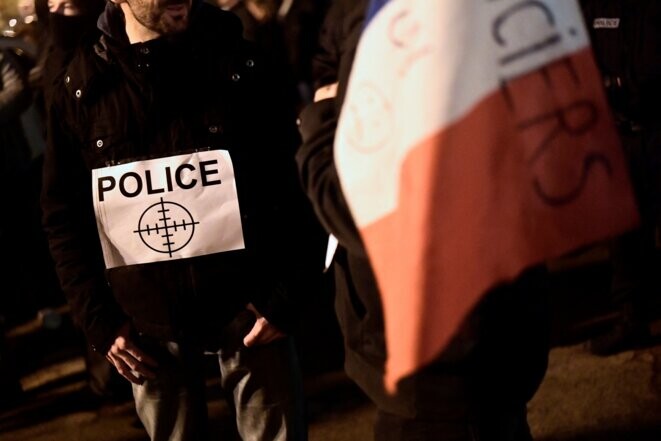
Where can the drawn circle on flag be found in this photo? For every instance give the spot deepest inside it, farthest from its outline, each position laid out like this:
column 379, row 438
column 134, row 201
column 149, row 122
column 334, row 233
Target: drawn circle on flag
column 369, row 123
column 166, row 227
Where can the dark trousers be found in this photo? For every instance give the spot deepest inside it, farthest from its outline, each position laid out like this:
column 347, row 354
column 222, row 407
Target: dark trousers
column 479, row 388
column 634, row 277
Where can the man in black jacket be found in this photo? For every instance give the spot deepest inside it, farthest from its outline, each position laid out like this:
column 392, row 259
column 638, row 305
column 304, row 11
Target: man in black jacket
column 479, row 387
column 169, row 197
column 626, row 40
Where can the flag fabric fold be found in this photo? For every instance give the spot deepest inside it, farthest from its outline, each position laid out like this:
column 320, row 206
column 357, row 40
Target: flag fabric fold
column 474, row 142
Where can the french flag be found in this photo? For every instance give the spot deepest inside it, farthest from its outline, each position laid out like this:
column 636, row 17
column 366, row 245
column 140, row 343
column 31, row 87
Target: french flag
column 474, row 142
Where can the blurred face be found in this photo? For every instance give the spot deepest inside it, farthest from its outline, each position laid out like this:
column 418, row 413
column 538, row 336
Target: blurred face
column 25, row 7
column 163, row 17
column 63, row 7
column 227, row 4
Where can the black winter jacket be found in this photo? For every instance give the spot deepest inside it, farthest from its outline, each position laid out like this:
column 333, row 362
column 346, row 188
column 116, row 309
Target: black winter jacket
column 205, row 89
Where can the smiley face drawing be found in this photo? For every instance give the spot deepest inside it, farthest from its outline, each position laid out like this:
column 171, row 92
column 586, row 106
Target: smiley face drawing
column 370, row 119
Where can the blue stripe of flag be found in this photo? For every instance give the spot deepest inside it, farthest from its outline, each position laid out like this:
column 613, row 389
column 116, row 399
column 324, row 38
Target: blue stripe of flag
column 373, row 8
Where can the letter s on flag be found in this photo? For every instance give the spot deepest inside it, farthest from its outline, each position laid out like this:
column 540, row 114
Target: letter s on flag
column 474, row 142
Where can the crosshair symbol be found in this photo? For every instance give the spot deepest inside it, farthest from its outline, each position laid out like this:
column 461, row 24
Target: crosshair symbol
column 166, row 227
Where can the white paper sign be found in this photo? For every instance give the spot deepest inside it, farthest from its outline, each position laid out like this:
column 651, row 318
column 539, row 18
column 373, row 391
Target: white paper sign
column 167, row 208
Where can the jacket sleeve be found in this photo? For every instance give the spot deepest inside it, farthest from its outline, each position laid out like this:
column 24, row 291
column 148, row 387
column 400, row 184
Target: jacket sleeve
column 69, row 223
column 318, row 174
column 318, row 122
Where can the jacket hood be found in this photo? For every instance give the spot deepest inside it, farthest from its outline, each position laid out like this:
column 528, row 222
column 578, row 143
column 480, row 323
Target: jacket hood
column 111, row 20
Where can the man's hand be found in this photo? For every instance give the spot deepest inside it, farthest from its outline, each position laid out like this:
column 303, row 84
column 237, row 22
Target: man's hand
column 325, row 92
column 129, row 360
column 262, row 331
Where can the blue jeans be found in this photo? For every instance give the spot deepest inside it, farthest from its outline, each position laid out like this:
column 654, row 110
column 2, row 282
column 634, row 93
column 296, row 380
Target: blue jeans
column 262, row 384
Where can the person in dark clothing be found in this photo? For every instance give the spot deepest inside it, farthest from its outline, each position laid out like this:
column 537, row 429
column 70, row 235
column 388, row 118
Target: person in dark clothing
column 67, row 23
column 256, row 18
column 478, row 388
column 300, row 21
column 15, row 96
column 626, row 41
column 287, row 29
column 260, row 26
column 176, row 249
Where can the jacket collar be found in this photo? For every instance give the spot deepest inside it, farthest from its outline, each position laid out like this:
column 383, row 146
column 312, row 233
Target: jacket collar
column 111, row 21
column 113, row 46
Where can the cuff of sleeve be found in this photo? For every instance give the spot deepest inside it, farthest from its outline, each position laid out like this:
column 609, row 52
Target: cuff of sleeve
column 277, row 309
column 314, row 115
column 102, row 331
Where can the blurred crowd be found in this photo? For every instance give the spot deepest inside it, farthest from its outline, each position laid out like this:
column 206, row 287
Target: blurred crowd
column 291, row 33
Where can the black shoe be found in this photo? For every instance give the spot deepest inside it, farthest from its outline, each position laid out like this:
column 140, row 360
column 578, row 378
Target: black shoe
column 621, row 338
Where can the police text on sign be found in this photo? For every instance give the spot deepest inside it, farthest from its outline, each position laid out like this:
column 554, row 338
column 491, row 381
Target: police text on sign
column 168, row 208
